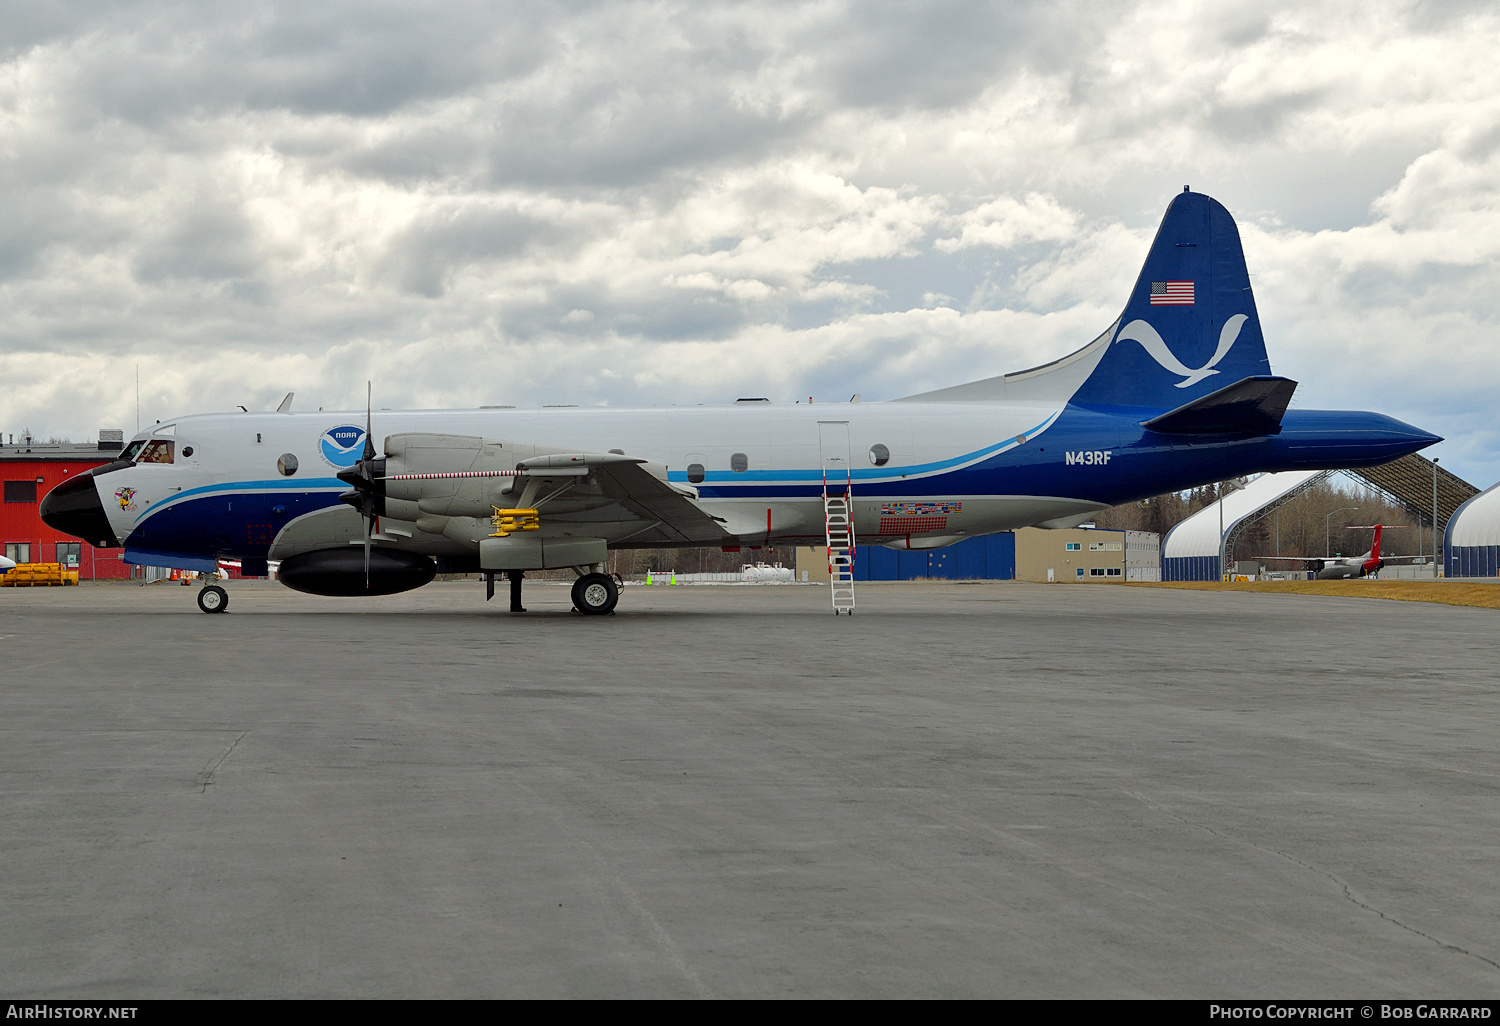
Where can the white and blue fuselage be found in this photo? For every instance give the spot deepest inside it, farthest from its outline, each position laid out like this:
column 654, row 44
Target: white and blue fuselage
column 1177, row 393
column 949, row 470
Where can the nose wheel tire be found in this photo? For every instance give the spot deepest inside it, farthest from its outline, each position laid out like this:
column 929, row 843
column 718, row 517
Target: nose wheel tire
column 595, row 594
column 213, row 599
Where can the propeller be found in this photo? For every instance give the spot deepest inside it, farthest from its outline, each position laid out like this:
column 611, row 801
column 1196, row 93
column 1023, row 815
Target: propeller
column 366, row 478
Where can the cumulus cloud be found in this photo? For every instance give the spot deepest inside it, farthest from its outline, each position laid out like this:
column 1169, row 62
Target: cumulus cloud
column 657, row 202
column 1007, row 221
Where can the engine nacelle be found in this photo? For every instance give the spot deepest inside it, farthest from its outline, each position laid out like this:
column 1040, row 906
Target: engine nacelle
column 342, row 571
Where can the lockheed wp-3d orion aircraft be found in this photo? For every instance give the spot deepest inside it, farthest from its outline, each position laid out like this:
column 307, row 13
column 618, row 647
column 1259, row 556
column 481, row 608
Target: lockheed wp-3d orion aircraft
column 1176, row 393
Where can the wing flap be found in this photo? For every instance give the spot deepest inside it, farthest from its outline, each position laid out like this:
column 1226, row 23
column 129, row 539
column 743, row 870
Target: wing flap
column 650, row 498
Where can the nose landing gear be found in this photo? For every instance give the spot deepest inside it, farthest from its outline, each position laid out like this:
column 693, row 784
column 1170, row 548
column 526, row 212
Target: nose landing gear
column 213, row 599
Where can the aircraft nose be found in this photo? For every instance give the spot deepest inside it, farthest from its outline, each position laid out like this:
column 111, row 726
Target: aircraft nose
column 73, row 507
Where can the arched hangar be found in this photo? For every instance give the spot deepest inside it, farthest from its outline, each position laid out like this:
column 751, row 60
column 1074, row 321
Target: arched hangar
column 1471, row 544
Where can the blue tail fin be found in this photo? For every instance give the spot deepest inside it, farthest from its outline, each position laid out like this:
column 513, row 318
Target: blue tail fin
column 1190, row 326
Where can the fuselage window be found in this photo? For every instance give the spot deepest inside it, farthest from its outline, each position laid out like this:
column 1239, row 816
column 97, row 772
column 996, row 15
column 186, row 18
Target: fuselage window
column 879, row 454
column 739, row 463
column 158, row 450
column 187, row 451
column 286, row 466
column 695, row 473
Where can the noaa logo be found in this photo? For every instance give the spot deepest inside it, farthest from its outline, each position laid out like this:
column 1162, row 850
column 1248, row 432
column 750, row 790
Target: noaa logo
column 342, row 446
column 1156, row 348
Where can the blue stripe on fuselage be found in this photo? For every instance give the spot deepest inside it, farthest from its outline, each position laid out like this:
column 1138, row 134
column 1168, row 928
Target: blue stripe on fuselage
column 926, row 470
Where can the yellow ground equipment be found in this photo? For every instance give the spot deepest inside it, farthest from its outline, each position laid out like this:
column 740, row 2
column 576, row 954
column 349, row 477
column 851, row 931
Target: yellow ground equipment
column 35, row 575
column 508, row 520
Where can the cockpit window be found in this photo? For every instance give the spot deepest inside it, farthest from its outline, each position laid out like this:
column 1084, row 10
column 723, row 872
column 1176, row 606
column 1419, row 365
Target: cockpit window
column 158, row 450
column 132, row 449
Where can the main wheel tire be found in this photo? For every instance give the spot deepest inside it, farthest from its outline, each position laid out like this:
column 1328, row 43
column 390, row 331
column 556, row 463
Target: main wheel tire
column 595, row 594
column 213, row 599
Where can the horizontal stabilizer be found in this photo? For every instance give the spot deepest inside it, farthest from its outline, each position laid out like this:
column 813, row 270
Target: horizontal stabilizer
column 1250, row 406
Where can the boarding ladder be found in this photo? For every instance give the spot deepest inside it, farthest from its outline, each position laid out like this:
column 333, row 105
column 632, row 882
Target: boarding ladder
column 838, row 525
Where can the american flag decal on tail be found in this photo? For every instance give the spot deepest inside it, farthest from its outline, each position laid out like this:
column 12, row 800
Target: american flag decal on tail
column 1171, row 293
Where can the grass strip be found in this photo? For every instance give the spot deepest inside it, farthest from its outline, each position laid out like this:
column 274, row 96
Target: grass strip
column 1453, row 593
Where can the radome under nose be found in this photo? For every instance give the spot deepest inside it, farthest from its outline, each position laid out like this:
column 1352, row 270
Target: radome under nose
column 73, row 507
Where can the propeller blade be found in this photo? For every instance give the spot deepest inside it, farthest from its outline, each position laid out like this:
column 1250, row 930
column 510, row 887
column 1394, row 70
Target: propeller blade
column 369, row 424
column 367, row 553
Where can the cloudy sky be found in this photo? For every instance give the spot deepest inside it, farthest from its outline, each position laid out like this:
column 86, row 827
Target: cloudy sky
column 686, row 202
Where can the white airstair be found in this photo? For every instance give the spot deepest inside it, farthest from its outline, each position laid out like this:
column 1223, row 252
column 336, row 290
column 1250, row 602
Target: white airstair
column 838, row 523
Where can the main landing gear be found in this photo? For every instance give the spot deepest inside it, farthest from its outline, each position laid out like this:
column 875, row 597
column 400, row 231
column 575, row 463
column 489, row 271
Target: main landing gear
column 595, row 594
column 213, row 599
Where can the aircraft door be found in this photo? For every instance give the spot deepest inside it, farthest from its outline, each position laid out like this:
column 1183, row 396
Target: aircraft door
column 833, row 443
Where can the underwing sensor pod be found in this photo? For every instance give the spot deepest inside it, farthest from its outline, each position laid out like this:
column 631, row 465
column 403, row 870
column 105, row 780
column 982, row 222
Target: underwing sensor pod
column 1177, row 392
column 343, row 572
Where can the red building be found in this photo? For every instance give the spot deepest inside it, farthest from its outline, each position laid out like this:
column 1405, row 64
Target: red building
column 31, row 469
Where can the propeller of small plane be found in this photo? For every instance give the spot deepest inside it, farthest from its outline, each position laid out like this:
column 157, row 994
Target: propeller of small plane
column 365, row 478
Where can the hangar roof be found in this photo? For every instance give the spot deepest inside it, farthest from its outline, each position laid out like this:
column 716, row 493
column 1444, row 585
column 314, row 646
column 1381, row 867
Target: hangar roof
column 1477, row 522
column 1198, row 535
column 58, row 452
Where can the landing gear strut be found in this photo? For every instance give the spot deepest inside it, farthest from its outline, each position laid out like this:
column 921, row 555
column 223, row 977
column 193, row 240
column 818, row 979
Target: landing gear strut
column 595, row 594
column 515, row 590
column 213, row 599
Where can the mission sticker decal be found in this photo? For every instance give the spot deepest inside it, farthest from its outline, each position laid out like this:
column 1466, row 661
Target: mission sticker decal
column 919, row 509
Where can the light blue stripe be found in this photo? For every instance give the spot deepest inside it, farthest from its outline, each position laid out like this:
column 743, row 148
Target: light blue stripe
column 883, row 474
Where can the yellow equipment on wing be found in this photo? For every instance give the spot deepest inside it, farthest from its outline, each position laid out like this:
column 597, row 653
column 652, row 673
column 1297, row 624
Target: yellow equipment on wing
column 508, row 520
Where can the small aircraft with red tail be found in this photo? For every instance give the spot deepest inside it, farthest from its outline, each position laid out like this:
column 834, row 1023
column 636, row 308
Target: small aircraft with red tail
column 1339, row 568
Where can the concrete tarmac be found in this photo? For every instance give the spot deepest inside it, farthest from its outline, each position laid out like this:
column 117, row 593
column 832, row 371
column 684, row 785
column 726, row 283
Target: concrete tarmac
column 998, row 790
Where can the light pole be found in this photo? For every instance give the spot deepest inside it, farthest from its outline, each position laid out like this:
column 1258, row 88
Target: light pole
column 1327, row 547
column 1222, row 492
column 1434, row 520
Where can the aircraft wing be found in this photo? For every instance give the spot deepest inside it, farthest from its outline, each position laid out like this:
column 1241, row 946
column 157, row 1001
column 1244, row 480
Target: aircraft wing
column 650, row 498
column 468, row 476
